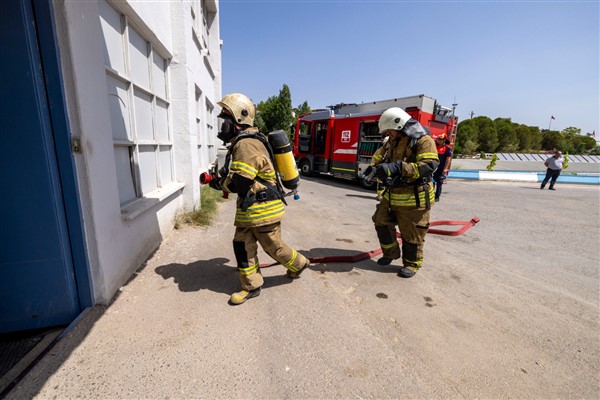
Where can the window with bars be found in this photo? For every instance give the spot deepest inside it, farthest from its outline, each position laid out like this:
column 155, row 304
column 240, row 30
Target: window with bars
column 136, row 79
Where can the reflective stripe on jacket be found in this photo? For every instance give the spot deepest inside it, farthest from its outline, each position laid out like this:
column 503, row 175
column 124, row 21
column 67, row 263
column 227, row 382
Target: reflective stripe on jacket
column 250, row 159
column 418, row 162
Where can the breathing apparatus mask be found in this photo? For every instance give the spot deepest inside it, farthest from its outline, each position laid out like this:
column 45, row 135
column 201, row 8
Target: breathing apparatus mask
column 228, row 128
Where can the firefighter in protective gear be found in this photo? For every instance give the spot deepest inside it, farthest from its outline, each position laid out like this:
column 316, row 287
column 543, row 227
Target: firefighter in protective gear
column 250, row 173
column 406, row 170
column 444, row 154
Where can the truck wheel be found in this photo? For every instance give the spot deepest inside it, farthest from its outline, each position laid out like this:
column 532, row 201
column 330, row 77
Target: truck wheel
column 369, row 186
column 305, row 168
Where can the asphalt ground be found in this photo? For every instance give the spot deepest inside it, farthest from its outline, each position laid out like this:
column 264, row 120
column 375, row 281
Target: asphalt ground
column 510, row 309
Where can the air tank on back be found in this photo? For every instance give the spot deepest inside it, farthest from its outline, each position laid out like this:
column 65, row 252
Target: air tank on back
column 284, row 159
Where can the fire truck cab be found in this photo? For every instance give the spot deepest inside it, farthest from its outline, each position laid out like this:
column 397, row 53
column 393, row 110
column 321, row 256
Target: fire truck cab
column 341, row 140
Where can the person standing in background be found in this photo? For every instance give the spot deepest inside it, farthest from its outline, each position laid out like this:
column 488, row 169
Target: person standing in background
column 554, row 166
column 444, row 154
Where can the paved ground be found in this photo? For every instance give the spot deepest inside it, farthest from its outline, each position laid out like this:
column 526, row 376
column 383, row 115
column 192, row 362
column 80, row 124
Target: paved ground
column 508, row 310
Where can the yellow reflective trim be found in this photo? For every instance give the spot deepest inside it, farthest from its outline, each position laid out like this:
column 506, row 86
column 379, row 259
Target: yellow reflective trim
column 389, row 246
column 417, row 173
column 416, row 266
column 342, row 169
column 266, row 175
column 242, row 166
column 432, row 156
column 290, row 264
column 260, row 211
column 249, row 270
column 408, row 199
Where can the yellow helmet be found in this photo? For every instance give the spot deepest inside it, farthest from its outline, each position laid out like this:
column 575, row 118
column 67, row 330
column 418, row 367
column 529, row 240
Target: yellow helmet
column 240, row 107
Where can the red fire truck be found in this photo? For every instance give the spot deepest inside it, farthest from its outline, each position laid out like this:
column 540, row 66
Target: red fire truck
column 341, row 140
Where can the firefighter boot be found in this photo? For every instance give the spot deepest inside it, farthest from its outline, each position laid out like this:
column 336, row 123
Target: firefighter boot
column 407, row 272
column 385, row 260
column 243, row 295
column 296, row 275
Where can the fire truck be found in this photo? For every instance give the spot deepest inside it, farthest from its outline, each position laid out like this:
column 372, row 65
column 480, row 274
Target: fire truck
column 341, row 139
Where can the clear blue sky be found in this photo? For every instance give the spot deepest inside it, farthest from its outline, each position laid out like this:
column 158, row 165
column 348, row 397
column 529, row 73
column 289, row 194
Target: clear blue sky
column 525, row 60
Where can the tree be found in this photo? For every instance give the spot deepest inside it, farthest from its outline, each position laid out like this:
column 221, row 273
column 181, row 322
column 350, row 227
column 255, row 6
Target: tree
column 584, row 144
column 469, row 147
column 536, row 138
column 507, row 136
column 303, row 108
column 551, row 140
column 524, row 137
column 492, row 163
column 276, row 112
column 466, row 137
column 488, row 137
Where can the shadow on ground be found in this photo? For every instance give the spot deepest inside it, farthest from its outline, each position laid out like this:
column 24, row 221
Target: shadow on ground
column 369, row 264
column 214, row 275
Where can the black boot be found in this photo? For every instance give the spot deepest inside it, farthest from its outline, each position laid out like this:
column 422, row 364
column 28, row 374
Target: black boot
column 385, row 260
column 407, row 272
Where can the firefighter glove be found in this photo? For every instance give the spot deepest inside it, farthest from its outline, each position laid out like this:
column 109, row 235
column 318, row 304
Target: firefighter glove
column 369, row 173
column 223, row 172
column 389, row 170
column 215, row 184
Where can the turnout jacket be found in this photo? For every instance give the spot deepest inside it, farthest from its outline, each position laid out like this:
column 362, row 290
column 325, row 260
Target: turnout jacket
column 419, row 162
column 251, row 171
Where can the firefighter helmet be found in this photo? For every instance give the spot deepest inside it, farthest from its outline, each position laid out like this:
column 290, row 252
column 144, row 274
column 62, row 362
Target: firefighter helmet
column 393, row 118
column 240, row 107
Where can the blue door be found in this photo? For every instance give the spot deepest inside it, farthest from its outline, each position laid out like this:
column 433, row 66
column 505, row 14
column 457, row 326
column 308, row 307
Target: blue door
column 38, row 283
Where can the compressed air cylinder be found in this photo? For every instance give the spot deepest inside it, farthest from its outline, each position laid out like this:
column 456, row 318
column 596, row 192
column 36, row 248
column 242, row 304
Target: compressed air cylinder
column 284, row 159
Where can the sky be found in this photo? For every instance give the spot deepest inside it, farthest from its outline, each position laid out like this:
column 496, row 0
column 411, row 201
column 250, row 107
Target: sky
column 524, row 60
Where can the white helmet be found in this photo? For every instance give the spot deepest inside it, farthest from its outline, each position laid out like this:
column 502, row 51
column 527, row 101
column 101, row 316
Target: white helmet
column 393, row 118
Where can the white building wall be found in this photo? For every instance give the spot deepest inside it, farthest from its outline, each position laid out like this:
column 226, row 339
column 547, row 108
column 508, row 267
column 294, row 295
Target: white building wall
column 120, row 237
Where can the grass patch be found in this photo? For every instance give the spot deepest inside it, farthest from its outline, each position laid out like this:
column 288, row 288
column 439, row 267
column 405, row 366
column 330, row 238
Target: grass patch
column 203, row 216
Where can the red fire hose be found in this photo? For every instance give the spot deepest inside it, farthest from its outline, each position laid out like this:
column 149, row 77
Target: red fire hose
column 466, row 225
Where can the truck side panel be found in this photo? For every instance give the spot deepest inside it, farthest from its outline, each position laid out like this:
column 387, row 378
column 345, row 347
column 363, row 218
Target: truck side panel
column 344, row 146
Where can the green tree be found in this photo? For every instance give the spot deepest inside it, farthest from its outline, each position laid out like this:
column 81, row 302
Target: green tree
column 469, row 147
column 536, row 138
column 487, row 135
column 583, row 144
column 466, row 137
column 303, row 108
column 492, row 163
column 551, row 140
column 524, row 137
column 276, row 112
column 507, row 136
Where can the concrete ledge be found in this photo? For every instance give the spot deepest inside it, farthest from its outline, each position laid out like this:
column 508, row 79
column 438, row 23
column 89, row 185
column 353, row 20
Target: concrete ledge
column 514, row 176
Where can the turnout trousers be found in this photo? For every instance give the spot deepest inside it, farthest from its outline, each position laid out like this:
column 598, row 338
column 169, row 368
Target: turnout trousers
column 245, row 248
column 413, row 224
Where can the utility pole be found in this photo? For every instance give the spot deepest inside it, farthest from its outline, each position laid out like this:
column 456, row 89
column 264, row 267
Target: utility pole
column 472, row 113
